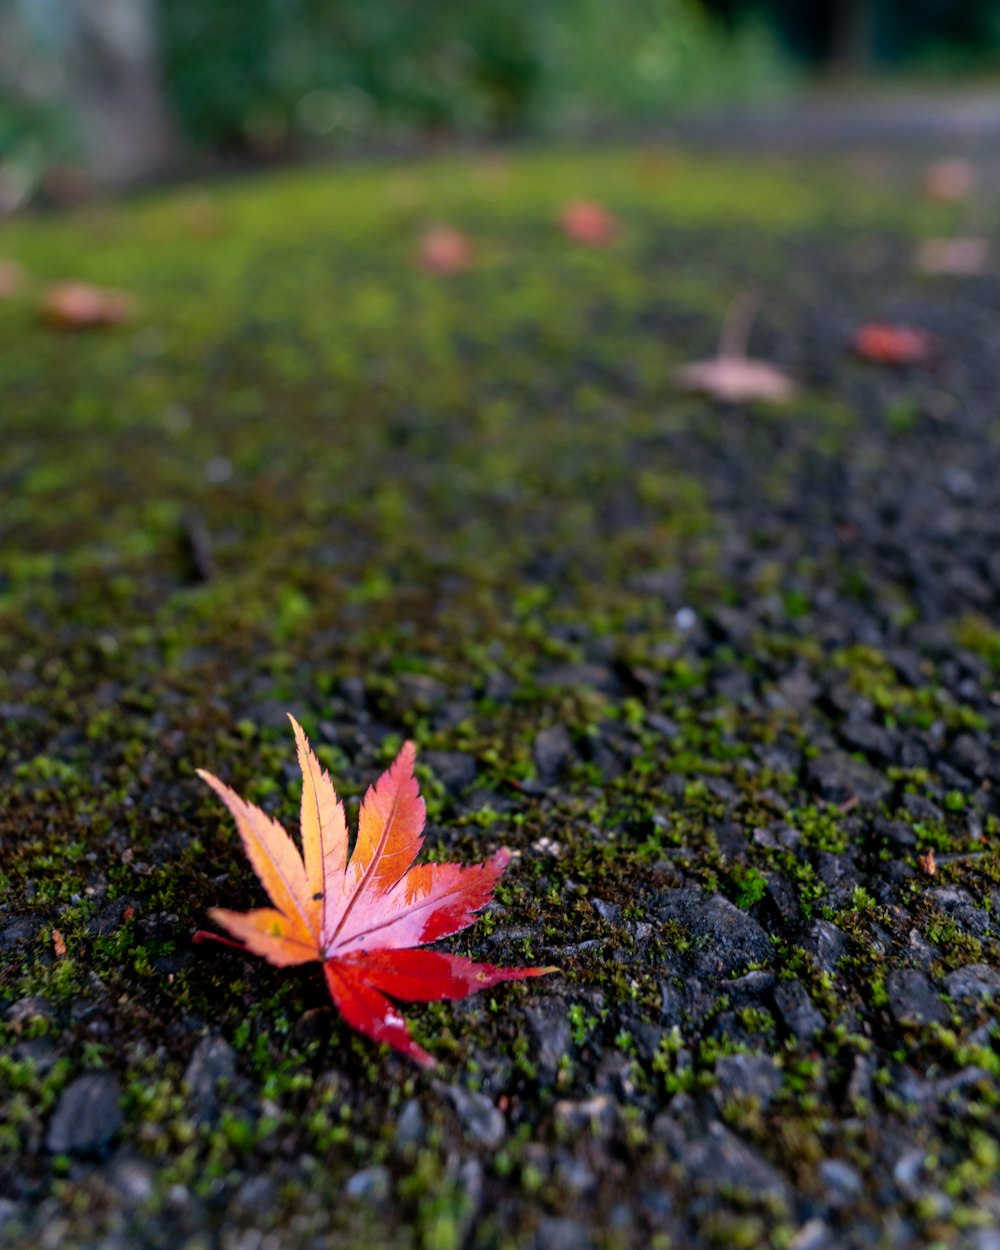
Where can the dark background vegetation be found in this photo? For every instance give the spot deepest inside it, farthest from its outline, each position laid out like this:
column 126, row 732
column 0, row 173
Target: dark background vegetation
column 133, row 88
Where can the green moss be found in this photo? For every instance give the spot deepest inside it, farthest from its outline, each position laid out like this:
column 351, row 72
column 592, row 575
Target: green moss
column 458, row 510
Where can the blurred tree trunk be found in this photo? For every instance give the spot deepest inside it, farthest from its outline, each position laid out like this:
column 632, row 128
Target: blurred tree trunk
column 852, row 47
column 115, row 81
column 95, row 65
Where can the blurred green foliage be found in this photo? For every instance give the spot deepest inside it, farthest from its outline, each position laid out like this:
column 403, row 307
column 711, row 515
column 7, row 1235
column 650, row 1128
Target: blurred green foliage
column 260, row 72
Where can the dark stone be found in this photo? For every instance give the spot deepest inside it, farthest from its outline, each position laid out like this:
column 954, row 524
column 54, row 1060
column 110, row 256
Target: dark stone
column 896, row 831
column 562, row 1233
column 816, row 1235
column 573, row 1175
column 87, row 1117
column 647, row 1038
column 41, row 1052
column 671, row 1005
column 751, row 988
column 783, row 897
column 593, row 1115
column 19, row 932
column 959, row 907
column 921, row 808
column 420, row 691
column 974, row 981
column 22, row 1012
column 838, row 777
column 454, row 769
column 826, row 943
column 725, row 938
column 797, row 690
column 746, row 1076
column 580, row 676
column 957, row 1082
column 212, row 1061
column 482, row 1121
column 369, row 1185
column 255, row 1199
column 803, row 1020
column 720, row 1161
column 410, row 1125
column 552, row 750
column 872, row 739
column 733, row 685
column 859, row 1086
column 913, row 999
column 9, row 1211
column 972, row 758
column 548, row 1026
column 610, row 913
column 133, row 1179
column 841, row 1182
column 840, row 875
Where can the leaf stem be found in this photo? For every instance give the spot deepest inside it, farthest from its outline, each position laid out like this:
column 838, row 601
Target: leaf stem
column 737, row 324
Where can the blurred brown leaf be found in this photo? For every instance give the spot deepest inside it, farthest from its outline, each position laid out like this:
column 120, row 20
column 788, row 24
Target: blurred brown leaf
column 587, row 221
column 731, row 375
column 954, row 258
column 443, row 249
column 77, row 305
column 737, row 379
column 11, row 278
column 950, row 180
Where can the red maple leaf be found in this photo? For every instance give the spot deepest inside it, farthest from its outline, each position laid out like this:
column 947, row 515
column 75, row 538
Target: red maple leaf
column 885, row 343
column 587, row 221
column 362, row 914
column 445, row 250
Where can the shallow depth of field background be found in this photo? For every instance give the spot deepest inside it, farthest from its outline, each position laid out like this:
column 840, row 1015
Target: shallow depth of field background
column 122, row 90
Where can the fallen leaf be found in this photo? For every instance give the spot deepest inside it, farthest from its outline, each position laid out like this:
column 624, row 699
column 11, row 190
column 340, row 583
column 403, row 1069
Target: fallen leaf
column 58, row 944
column 737, row 380
column 884, row 343
column 950, row 180
column 77, row 305
column 443, row 249
column 11, row 278
column 731, row 375
column 587, row 221
column 361, row 914
column 953, row 258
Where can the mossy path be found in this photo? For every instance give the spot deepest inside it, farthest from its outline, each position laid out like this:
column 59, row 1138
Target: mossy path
column 723, row 678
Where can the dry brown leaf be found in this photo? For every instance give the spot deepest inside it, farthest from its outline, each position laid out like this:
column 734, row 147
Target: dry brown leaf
column 587, row 221
column 79, row 306
column 950, row 180
column 953, row 258
column 731, row 375
column 737, row 380
column 443, row 249
column 11, row 278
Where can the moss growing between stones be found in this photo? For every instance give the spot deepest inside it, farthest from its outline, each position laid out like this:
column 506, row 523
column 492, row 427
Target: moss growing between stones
column 663, row 650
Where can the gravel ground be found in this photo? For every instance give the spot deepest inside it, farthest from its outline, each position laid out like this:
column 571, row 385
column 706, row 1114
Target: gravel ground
column 723, row 677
